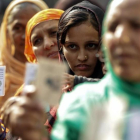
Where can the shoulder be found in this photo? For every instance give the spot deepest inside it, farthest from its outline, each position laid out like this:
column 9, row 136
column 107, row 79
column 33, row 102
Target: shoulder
column 83, row 96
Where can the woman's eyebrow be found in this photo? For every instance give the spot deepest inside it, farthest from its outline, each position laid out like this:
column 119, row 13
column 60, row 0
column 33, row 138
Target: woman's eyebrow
column 52, row 28
column 69, row 42
column 93, row 41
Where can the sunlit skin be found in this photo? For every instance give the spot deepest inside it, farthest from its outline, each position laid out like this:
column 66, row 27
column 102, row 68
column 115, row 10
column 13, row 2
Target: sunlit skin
column 43, row 39
column 16, row 30
column 122, row 39
column 81, row 40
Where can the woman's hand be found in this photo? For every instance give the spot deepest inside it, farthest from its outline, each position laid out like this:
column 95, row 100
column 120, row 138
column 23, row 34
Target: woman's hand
column 68, row 82
column 24, row 117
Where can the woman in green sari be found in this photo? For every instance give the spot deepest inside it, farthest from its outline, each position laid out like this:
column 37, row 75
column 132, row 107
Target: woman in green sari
column 110, row 109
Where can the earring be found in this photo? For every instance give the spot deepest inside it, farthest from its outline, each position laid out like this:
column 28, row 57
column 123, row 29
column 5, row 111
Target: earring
column 97, row 55
column 86, row 57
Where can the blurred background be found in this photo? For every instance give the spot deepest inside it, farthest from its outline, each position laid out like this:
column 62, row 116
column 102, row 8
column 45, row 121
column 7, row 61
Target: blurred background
column 62, row 4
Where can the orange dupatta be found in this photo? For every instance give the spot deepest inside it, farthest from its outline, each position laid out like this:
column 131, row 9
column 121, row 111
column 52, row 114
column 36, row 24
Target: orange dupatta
column 48, row 14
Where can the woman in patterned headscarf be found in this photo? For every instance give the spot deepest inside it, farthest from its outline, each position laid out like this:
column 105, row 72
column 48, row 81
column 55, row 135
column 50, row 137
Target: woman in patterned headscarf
column 13, row 42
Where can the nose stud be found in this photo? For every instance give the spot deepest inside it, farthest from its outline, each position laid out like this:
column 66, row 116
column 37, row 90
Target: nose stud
column 86, row 57
column 97, row 55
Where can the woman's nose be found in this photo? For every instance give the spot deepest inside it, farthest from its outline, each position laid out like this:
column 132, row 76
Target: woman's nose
column 48, row 43
column 82, row 56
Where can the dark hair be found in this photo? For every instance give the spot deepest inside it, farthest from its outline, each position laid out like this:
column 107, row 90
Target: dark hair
column 74, row 17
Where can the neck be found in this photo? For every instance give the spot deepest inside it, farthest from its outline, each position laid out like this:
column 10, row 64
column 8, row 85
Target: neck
column 20, row 57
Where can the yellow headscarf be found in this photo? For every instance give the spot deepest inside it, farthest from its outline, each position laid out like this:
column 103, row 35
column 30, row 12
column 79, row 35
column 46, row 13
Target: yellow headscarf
column 14, row 68
column 48, row 14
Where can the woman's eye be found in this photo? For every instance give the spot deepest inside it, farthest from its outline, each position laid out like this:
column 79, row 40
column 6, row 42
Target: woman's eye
column 91, row 45
column 36, row 41
column 135, row 25
column 17, row 28
column 72, row 46
column 53, row 33
column 112, row 27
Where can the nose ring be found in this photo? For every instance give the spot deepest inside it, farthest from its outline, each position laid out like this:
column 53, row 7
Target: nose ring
column 86, row 57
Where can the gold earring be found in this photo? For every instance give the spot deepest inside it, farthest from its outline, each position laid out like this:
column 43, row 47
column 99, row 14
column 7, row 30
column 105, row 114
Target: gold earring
column 86, row 57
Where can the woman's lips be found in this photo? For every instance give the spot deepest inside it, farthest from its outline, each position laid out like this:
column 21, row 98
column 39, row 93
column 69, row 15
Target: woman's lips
column 124, row 56
column 53, row 54
column 82, row 67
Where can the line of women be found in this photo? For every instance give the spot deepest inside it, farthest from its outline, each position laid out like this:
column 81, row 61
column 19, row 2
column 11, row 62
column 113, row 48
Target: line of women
column 41, row 41
column 89, row 105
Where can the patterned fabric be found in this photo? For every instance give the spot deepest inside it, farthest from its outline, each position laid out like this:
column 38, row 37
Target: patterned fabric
column 51, row 117
column 44, row 15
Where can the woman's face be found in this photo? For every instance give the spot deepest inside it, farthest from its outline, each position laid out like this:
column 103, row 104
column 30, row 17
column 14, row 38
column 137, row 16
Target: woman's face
column 16, row 28
column 43, row 39
column 122, row 39
column 80, row 48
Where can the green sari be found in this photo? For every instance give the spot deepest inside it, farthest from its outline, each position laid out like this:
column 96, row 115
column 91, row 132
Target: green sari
column 108, row 110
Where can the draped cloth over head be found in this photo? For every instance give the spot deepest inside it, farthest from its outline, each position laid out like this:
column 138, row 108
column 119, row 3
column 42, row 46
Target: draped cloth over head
column 14, row 68
column 119, row 83
column 48, row 14
column 99, row 14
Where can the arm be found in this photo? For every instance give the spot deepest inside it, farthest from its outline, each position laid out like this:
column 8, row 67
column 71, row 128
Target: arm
column 81, row 79
column 73, row 80
column 20, row 113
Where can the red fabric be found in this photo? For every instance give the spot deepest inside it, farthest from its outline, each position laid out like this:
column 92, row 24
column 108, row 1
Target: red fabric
column 51, row 118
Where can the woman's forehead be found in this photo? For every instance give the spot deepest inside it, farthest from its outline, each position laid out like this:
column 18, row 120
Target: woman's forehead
column 18, row 12
column 47, row 25
column 123, row 8
column 123, row 4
